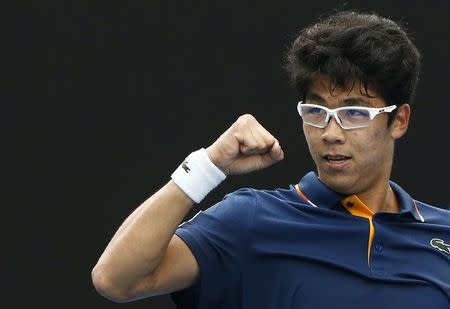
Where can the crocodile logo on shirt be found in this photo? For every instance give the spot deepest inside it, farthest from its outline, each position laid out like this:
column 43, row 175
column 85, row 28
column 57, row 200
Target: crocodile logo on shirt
column 440, row 245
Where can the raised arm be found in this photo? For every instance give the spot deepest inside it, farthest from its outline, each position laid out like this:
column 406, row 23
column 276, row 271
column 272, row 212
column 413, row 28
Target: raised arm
column 145, row 257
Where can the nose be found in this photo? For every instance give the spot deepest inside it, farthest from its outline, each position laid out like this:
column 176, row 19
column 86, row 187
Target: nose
column 333, row 133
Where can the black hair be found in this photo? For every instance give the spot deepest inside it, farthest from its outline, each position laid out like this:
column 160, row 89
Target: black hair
column 350, row 46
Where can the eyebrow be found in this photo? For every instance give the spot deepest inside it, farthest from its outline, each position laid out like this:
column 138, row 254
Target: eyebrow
column 352, row 101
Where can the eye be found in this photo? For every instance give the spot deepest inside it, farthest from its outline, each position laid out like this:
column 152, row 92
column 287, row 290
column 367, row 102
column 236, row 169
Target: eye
column 356, row 113
column 314, row 111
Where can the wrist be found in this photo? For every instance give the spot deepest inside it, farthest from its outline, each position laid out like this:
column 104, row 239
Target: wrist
column 215, row 159
column 198, row 175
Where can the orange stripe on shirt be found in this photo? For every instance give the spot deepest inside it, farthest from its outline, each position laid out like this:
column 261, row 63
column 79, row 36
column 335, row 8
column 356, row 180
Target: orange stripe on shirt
column 359, row 209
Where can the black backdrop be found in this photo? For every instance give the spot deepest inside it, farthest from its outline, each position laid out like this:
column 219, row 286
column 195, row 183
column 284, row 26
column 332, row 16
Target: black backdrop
column 103, row 100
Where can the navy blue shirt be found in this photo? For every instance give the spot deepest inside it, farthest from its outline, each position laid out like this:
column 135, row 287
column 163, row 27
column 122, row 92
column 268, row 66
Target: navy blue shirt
column 310, row 247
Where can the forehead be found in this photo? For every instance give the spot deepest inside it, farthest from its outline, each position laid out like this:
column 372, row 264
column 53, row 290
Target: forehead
column 323, row 91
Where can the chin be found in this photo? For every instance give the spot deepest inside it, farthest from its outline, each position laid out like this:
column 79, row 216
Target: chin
column 343, row 183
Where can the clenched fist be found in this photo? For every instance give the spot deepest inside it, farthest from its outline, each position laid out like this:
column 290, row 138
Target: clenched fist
column 245, row 147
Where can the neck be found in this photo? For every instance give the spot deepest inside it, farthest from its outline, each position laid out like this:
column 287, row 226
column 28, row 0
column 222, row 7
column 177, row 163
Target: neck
column 380, row 199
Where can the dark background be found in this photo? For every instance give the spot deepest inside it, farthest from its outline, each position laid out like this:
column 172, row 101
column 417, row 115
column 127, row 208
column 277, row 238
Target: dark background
column 102, row 101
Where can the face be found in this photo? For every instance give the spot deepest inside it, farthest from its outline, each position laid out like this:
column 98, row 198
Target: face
column 353, row 161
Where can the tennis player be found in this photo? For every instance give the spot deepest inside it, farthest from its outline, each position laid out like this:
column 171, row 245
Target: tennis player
column 343, row 236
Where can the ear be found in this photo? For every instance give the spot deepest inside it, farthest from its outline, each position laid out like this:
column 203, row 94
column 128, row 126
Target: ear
column 401, row 121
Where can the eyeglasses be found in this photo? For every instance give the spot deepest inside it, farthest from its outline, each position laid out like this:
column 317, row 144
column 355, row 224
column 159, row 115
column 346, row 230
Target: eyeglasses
column 348, row 117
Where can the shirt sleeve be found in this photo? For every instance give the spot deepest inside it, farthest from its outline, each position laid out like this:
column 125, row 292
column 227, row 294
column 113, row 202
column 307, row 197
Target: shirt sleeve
column 217, row 238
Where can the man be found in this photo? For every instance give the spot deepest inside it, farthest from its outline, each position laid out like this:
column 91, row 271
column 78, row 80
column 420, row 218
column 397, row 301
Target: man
column 343, row 237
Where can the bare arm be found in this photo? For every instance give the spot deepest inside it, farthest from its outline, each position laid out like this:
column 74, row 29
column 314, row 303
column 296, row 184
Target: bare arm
column 144, row 257
column 140, row 243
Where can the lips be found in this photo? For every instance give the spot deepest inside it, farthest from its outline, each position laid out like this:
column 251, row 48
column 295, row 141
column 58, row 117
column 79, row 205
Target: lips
column 336, row 161
column 337, row 157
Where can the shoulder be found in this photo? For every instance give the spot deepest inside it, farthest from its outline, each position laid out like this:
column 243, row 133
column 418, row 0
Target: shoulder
column 263, row 197
column 239, row 207
column 244, row 201
column 254, row 195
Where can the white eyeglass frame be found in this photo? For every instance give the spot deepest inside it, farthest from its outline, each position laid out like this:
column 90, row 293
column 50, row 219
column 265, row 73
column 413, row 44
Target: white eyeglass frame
column 373, row 112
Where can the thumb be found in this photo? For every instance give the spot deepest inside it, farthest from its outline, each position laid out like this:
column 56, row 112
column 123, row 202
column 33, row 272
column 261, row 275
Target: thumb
column 274, row 155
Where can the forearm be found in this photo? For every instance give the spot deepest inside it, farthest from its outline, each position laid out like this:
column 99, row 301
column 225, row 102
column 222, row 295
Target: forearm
column 140, row 243
column 137, row 261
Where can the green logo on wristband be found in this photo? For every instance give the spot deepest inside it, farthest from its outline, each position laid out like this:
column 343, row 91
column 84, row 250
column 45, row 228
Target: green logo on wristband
column 185, row 167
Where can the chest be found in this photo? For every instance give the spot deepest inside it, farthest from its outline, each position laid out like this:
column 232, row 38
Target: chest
column 318, row 251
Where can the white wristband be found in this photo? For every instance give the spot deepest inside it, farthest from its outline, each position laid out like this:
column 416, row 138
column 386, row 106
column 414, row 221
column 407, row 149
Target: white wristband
column 197, row 175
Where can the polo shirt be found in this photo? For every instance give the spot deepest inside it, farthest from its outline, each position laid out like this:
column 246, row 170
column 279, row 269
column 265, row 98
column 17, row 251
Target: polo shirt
column 310, row 247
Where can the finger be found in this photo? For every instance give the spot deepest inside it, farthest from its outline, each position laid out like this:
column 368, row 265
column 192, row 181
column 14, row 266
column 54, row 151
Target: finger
column 264, row 159
column 267, row 137
column 252, row 137
column 276, row 153
column 257, row 140
column 253, row 143
column 256, row 151
column 252, row 163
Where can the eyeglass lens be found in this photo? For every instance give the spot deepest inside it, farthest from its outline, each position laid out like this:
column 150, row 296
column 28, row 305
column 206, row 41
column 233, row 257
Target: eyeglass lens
column 349, row 117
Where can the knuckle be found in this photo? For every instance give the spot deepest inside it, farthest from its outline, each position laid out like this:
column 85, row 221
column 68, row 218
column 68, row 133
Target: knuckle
column 250, row 142
column 244, row 121
column 269, row 139
column 246, row 118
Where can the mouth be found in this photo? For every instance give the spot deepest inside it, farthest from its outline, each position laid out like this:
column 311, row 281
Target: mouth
column 336, row 161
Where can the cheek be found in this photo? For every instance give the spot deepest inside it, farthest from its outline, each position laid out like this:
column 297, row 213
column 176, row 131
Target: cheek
column 311, row 138
column 369, row 143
